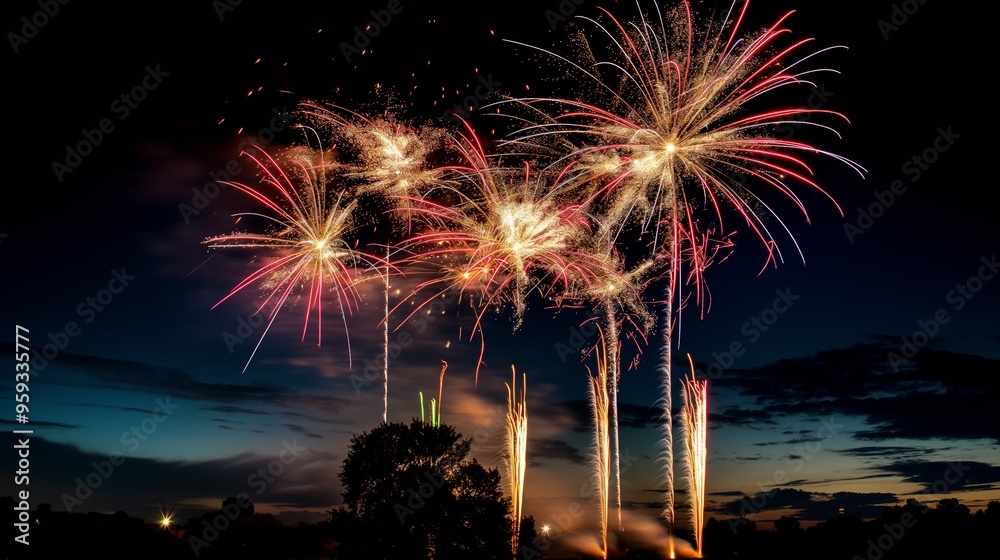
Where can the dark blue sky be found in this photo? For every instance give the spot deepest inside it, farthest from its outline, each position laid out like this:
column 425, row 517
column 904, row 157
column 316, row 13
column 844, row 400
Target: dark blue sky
column 816, row 392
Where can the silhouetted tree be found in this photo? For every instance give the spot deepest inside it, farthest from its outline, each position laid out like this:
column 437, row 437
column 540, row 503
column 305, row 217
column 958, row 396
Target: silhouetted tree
column 787, row 526
column 245, row 508
column 410, row 493
column 527, row 535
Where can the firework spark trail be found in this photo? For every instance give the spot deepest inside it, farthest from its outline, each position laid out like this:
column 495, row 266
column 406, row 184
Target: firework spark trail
column 385, row 344
column 517, row 446
column 308, row 221
column 599, row 403
column 695, row 415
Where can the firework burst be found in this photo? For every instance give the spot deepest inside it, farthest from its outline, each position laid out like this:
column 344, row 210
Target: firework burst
column 672, row 116
column 388, row 157
column 498, row 234
column 306, row 255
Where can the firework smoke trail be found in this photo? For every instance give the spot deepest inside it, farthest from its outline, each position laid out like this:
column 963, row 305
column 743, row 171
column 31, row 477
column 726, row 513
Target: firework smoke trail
column 616, row 295
column 308, row 221
column 613, row 360
column 695, row 414
column 517, row 446
column 599, row 402
column 385, row 345
column 444, row 368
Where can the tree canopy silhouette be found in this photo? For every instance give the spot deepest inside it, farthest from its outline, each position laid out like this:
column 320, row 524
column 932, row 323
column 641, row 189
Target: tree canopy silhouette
column 409, row 493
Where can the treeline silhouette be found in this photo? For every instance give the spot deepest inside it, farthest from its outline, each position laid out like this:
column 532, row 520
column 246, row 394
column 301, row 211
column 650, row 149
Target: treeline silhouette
column 411, row 492
column 912, row 532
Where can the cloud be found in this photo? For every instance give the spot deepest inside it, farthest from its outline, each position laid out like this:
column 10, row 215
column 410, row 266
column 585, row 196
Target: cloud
column 936, row 395
column 941, row 477
column 554, row 449
column 884, row 451
column 736, row 416
column 812, row 506
column 63, row 473
column 38, row 424
column 633, row 416
column 101, row 373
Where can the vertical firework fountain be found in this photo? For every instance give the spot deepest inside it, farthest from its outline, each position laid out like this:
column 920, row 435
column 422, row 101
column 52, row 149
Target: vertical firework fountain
column 695, row 415
column 600, row 402
column 517, row 447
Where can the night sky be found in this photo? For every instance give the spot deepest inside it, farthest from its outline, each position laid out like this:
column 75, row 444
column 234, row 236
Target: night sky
column 816, row 404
